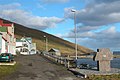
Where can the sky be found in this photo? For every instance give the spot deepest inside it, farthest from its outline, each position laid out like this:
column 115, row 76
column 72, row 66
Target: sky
column 97, row 21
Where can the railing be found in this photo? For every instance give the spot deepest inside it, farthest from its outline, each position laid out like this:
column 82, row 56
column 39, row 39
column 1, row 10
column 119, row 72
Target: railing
column 66, row 61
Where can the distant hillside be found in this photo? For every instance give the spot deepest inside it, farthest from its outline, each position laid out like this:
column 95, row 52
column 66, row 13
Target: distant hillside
column 53, row 42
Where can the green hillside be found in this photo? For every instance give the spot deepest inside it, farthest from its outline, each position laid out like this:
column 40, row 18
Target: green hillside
column 53, row 42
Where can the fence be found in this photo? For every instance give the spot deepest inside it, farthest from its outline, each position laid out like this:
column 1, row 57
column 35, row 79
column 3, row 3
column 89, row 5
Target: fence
column 66, row 61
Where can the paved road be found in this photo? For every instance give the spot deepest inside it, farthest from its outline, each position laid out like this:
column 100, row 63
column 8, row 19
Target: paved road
column 38, row 68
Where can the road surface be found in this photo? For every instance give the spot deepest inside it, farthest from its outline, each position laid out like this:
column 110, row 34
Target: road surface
column 35, row 67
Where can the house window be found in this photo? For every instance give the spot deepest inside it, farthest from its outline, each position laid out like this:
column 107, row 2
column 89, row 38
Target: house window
column 25, row 45
column 33, row 50
column 25, row 50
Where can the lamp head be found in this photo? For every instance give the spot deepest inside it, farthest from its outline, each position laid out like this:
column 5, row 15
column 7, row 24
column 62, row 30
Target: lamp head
column 73, row 10
column 44, row 36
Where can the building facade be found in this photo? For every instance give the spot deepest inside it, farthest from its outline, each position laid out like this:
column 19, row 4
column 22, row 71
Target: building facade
column 25, row 46
column 8, row 42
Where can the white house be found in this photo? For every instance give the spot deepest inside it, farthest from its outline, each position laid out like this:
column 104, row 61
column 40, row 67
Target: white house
column 25, row 46
column 33, row 48
column 18, row 45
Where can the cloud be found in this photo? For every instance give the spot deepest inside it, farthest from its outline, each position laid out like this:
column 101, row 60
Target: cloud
column 41, row 6
column 79, row 35
column 92, row 18
column 28, row 19
column 10, row 6
column 97, row 14
column 108, row 38
column 54, row 1
column 81, row 29
column 58, row 35
column 105, row 1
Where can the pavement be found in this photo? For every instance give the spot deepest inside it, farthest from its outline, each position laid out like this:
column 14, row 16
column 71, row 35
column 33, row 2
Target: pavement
column 36, row 67
column 89, row 72
column 11, row 63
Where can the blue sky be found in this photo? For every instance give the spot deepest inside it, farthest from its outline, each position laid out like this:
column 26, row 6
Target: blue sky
column 98, row 21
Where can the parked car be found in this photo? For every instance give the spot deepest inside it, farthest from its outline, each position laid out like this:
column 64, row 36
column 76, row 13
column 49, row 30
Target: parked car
column 6, row 57
column 85, row 66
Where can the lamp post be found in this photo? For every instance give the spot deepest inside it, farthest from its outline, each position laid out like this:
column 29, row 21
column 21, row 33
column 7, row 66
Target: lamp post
column 46, row 43
column 75, row 30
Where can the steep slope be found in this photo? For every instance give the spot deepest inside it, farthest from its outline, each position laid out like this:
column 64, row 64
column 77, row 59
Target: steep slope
column 53, row 42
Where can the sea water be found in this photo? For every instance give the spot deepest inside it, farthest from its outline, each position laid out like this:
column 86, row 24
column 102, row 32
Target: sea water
column 115, row 63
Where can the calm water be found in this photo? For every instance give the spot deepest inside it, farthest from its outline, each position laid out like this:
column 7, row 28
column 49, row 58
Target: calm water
column 115, row 63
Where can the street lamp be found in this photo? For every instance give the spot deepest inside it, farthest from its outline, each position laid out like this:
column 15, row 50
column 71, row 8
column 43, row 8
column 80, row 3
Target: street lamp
column 75, row 30
column 46, row 43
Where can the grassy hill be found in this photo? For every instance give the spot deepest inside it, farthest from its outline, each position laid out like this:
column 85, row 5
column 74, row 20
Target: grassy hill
column 53, row 42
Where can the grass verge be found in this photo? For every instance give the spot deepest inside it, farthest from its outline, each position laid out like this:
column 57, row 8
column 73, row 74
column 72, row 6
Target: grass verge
column 105, row 77
column 6, row 70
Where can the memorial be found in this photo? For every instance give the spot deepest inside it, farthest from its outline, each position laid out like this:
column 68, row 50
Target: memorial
column 103, row 58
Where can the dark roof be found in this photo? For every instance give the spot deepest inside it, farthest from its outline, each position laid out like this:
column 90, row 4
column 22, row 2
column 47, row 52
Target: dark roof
column 53, row 50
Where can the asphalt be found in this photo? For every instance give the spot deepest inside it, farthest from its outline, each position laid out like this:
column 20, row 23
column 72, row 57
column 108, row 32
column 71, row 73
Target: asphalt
column 36, row 67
